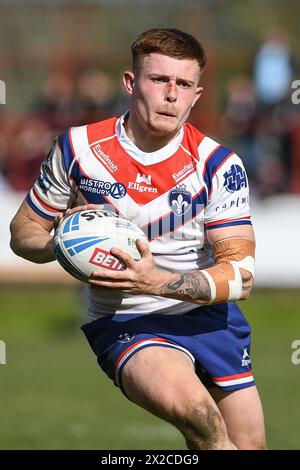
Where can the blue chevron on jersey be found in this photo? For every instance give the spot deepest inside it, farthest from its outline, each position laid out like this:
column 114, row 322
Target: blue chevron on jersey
column 214, row 161
column 66, row 149
column 92, row 195
column 170, row 222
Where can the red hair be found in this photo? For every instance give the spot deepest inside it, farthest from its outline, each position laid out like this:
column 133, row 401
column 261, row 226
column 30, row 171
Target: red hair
column 170, row 42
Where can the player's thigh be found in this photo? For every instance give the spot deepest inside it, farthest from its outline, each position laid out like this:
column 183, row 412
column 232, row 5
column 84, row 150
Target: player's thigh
column 163, row 381
column 243, row 416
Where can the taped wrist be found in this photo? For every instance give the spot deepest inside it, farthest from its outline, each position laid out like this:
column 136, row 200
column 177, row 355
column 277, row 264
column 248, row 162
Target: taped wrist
column 225, row 279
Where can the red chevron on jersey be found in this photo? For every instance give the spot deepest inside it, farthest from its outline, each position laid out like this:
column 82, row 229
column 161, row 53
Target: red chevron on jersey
column 144, row 182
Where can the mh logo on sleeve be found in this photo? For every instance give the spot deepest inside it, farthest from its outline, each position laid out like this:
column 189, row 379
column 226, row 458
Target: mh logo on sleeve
column 235, row 179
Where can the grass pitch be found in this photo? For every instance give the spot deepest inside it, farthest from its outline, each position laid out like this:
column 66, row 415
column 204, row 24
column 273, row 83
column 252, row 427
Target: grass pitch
column 54, row 396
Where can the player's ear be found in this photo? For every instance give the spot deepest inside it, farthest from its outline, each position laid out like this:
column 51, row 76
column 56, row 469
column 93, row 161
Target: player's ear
column 197, row 95
column 128, row 81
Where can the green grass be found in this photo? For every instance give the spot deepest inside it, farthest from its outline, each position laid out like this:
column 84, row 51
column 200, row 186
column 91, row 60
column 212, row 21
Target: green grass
column 54, row 396
column 275, row 319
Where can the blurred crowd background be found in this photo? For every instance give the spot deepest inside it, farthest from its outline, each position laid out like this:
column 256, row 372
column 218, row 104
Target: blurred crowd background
column 62, row 63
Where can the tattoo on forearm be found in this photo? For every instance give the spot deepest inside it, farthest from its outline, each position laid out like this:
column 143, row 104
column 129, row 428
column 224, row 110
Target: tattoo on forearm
column 190, row 287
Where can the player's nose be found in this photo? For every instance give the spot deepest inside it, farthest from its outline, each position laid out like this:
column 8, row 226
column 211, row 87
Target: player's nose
column 171, row 92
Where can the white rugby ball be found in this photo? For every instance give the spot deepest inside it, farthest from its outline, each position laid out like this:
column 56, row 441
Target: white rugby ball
column 82, row 242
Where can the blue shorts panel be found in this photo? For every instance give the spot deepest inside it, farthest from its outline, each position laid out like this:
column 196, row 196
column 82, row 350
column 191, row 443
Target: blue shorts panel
column 216, row 338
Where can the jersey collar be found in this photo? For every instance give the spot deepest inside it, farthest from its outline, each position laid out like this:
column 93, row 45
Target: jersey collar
column 146, row 158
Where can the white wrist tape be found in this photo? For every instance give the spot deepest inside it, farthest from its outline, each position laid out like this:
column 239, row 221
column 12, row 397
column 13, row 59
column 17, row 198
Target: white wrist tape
column 236, row 285
column 225, row 278
column 212, row 285
column 248, row 264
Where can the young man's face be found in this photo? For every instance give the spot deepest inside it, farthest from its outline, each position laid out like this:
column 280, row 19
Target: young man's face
column 163, row 93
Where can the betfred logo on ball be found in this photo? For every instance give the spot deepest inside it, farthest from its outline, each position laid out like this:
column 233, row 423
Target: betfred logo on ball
column 105, row 260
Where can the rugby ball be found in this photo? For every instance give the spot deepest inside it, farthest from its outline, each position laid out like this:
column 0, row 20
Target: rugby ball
column 82, row 242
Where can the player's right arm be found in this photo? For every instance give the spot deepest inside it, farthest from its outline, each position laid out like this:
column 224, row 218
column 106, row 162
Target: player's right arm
column 30, row 235
column 46, row 203
column 48, row 199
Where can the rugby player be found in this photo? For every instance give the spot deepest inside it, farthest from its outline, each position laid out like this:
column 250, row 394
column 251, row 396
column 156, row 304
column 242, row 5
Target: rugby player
column 167, row 329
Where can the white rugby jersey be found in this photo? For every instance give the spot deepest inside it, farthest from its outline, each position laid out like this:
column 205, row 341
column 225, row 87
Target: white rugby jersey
column 174, row 194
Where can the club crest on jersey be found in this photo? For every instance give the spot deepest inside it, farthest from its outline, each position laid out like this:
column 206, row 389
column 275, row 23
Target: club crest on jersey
column 235, row 179
column 179, row 199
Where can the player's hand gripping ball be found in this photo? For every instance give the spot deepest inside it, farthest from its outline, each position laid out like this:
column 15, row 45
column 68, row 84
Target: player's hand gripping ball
column 82, row 242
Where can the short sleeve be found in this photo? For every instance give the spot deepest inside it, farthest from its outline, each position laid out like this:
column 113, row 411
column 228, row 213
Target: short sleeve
column 52, row 191
column 228, row 192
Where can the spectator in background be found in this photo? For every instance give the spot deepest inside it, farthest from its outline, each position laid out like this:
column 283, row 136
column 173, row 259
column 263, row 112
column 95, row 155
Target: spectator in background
column 26, row 151
column 257, row 119
column 273, row 69
column 56, row 104
column 238, row 123
column 95, row 89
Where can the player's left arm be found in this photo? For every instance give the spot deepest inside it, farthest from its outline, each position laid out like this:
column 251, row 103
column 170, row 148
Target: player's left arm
column 234, row 246
column 231, row 277
column 229, row 231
